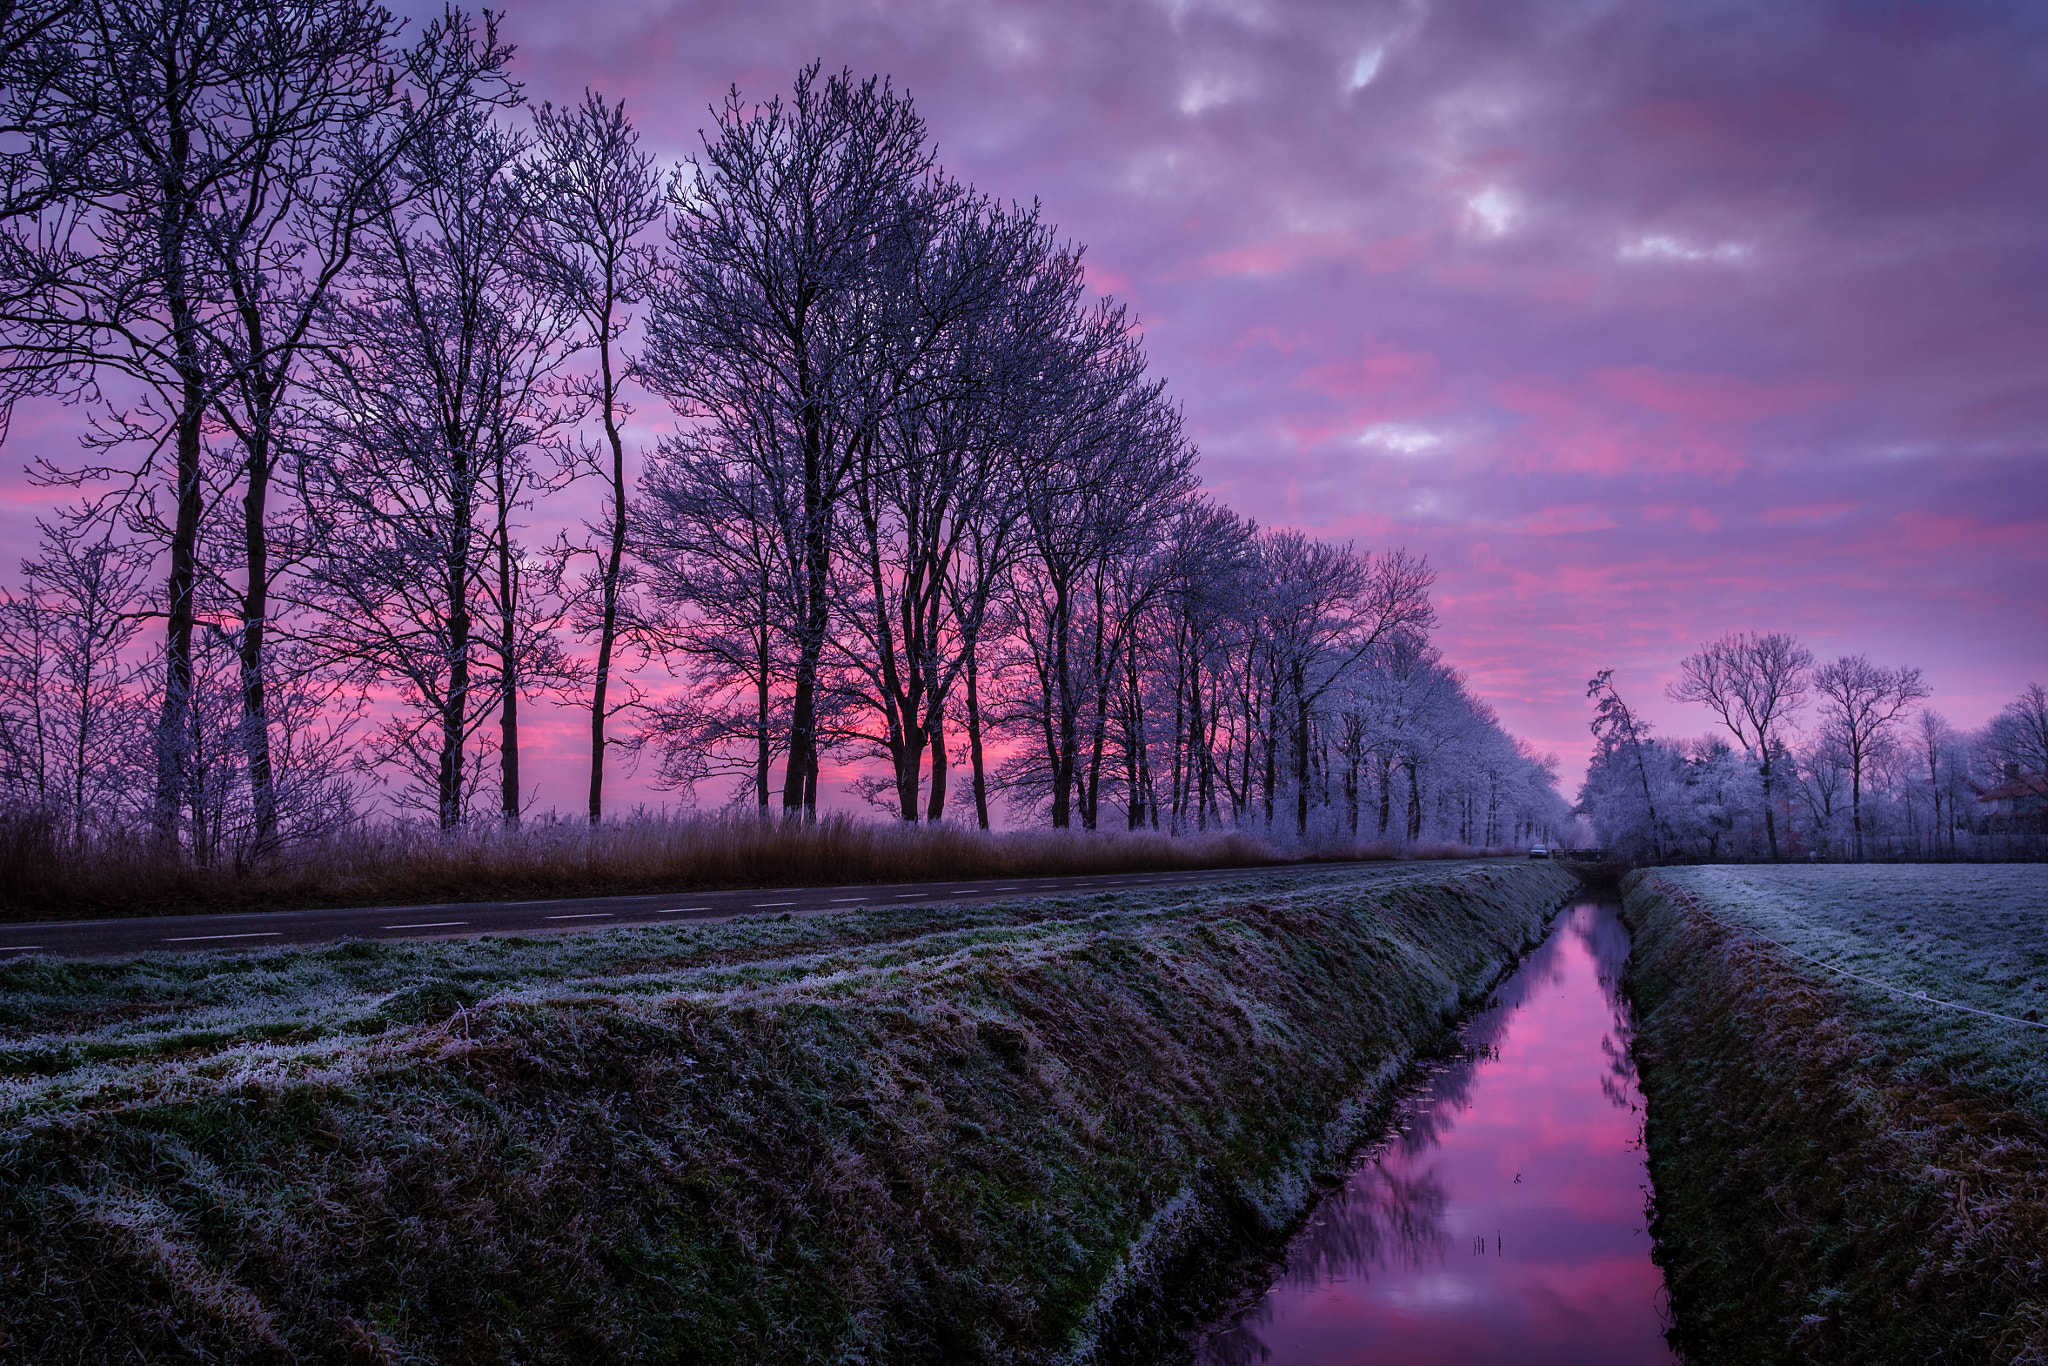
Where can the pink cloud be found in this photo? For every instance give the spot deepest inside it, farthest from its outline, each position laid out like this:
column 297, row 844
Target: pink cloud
column 1811, row 512
column 1370, row 378
column 1707, row 398
column 1562, row 521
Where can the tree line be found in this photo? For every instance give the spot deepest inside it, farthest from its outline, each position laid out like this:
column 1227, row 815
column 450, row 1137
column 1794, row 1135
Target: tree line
column 350, row 318
column 1834, row 759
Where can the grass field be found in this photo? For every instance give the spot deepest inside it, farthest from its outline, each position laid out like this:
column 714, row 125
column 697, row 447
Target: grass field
column 1845, row 1173
column 1030, row 1132
column 1972, row 934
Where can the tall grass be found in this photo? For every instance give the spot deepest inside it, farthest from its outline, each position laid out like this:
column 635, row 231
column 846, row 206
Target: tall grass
column 376, row 864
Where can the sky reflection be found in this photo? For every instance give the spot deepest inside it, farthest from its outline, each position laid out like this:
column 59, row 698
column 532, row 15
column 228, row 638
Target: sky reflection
column 1503, row 1220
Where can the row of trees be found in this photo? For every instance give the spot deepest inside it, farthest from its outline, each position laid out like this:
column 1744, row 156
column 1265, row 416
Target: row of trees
column 1828, row 760
column 349, row 320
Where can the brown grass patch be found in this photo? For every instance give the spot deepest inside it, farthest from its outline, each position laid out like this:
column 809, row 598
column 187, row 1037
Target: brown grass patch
column 411, row 864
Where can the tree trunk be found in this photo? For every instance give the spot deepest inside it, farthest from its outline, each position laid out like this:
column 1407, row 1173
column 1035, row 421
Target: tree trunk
column 974, row 739
column 937, row 807
column 1770, row 815
column 615, row 558
column 1856, row 803
column 1300, row 754
column 255, row 624
column 454, row 707
column 800, row 784
column 508, row 654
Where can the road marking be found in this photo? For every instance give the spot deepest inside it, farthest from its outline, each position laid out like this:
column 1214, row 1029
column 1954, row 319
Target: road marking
column 18, row 948
column 842, row 900
column 587, row 915
column 679, row 910
column 195, row 938
column 1003, row 889
column 762, row 905
column 428, row 925
column 905, row 896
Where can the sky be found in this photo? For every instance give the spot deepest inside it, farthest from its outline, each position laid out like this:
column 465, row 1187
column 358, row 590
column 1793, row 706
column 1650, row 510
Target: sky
column 1645, row 322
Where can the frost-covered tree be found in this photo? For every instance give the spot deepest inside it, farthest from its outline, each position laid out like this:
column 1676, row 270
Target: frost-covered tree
column 1862, row 703
column 1755, row 682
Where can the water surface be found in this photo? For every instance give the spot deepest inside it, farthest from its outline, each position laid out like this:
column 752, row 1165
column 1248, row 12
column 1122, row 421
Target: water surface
column 1502, row 1221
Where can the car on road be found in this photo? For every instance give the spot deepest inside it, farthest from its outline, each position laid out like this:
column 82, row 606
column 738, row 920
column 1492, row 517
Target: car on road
column 1539, row 851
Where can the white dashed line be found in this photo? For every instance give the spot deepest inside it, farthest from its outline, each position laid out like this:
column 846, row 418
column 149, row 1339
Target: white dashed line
column 762, row 905
column 1003, row 889
column 195, row 938
column 679, row 910
column 429, row 925
column 905, row 896
column 586, row 915
column 843, row 900
column 18, row 948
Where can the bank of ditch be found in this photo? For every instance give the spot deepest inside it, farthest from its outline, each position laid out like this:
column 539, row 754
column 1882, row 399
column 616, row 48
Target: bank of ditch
column 1843, row 1173
column 1032, row 1132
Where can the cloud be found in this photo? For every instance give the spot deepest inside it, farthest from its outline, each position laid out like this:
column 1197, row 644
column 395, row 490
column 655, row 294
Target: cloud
column 1660, row 246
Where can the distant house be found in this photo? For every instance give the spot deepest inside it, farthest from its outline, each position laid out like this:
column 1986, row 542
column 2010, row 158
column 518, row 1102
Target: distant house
column 2025, row 795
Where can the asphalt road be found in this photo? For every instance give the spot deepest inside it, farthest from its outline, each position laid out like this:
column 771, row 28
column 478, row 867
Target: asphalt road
column 263, row 929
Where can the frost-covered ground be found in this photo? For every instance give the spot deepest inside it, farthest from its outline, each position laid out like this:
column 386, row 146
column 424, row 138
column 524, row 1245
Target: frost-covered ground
column 971, row 1133
column 67, row 1025
column 1973, row 934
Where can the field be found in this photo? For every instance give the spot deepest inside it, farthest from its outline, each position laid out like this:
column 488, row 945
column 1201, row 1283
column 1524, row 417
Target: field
column 1027, row 1132
column 395, row 864
column 1974, row 935
column 1843, row 1172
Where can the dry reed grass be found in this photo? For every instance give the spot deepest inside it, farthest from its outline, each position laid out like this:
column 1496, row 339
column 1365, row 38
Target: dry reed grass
column 1823, row 1195
column 399, row 863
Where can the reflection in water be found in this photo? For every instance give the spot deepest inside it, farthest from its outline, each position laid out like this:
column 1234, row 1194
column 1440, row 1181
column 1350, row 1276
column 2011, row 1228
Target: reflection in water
column 1502, row 1218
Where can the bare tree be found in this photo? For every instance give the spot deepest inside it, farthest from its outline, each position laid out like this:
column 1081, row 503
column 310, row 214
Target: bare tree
column 1211, row 574
column 1615, row 725
column 1328, row 607
column 1941, row 752
column 724, row 599
column 72, row 722
column 1106, row 469
column 1862, row 703
column 434, row 391
column 195, row 178
column 770, row 325
column 2017, row 737
column 968, row 271
column 598, row 193
column 1755, row 684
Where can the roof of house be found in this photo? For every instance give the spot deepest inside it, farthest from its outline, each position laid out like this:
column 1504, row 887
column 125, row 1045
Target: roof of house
column 2026, row 785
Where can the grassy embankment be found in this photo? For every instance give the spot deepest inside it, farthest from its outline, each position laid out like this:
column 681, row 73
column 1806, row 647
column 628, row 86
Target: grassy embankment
column 1842, row 1173
column 1029, row 1132
column 396, row 864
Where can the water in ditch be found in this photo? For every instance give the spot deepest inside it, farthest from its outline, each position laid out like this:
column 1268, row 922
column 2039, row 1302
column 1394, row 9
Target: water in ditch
column 1502, row 1219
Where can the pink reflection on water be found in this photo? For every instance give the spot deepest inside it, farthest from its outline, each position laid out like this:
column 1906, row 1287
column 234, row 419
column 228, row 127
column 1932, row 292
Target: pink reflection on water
column 1503, row 1221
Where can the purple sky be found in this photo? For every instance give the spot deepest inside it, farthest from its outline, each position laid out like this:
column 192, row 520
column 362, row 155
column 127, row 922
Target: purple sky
column 1645, row 322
